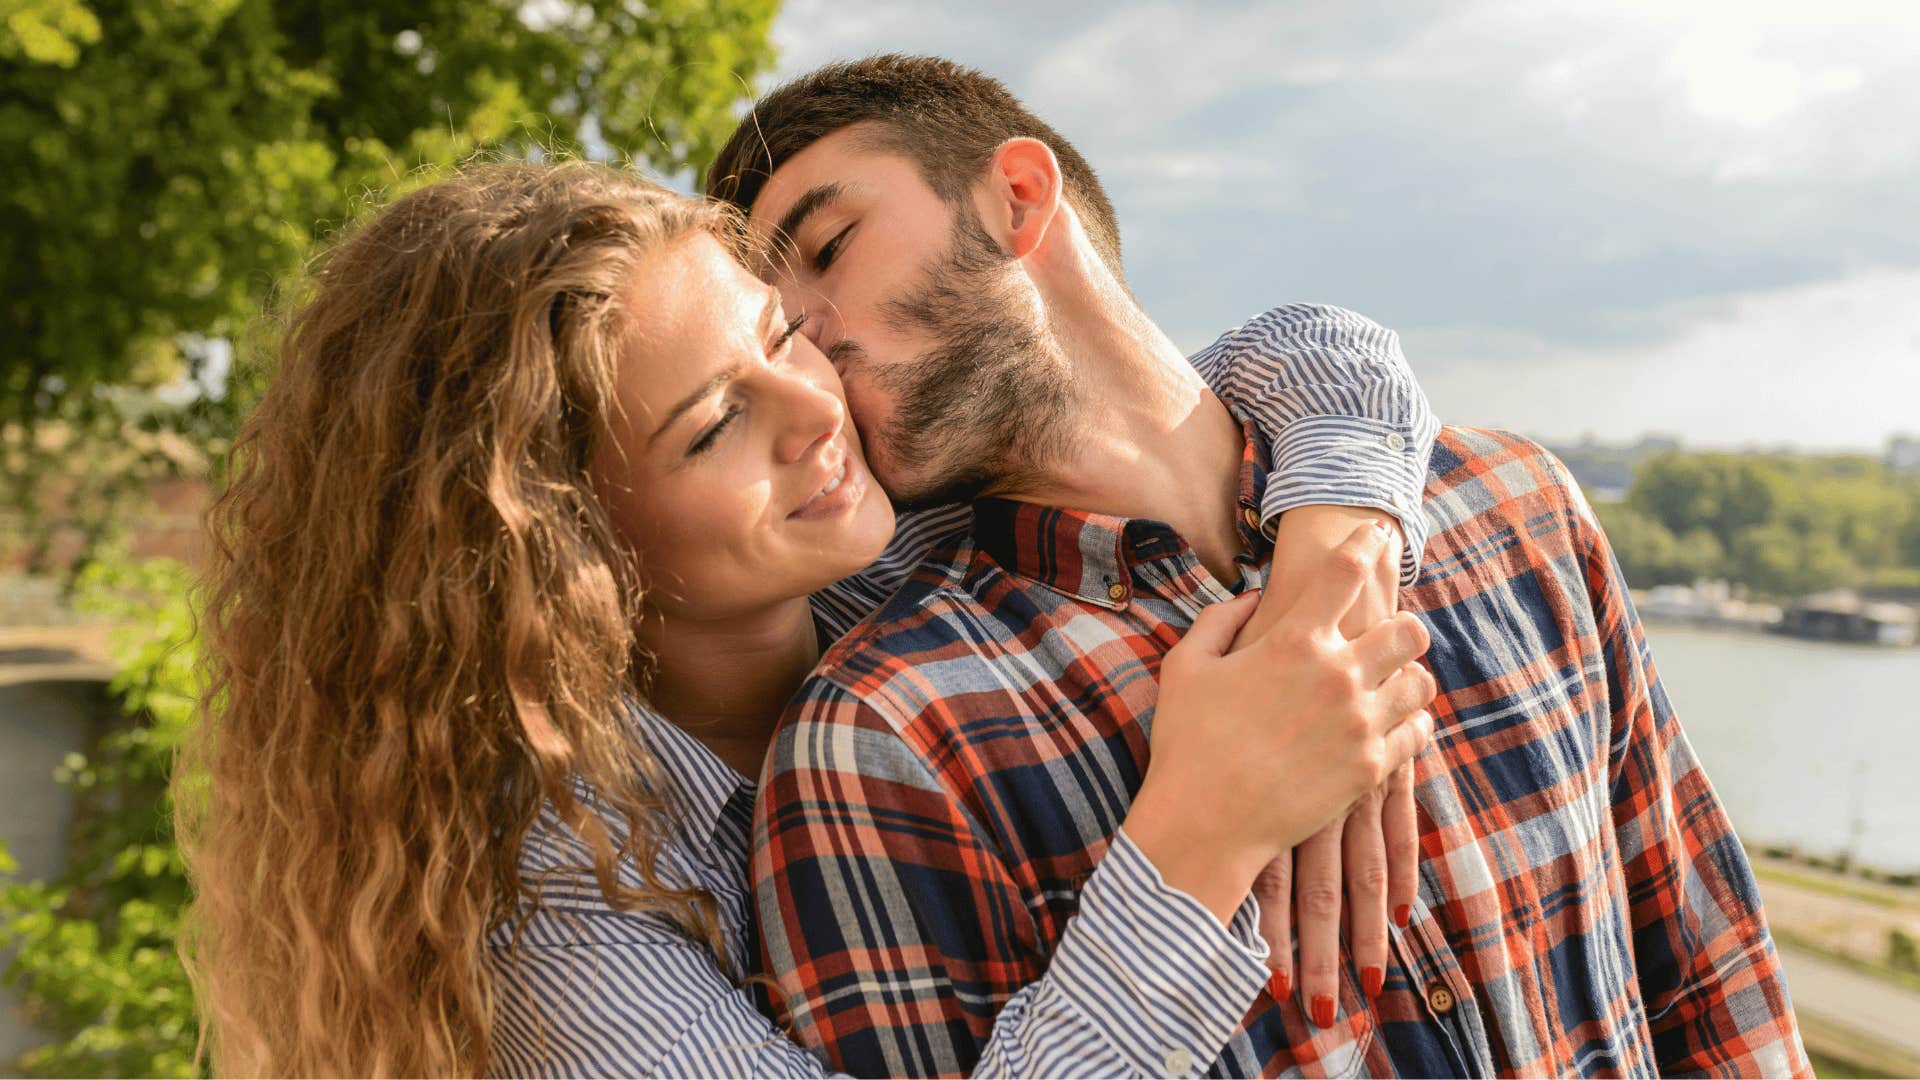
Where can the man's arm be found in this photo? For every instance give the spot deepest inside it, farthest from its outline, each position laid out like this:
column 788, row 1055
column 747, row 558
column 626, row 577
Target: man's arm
column 902, row 946
column 1716, row 998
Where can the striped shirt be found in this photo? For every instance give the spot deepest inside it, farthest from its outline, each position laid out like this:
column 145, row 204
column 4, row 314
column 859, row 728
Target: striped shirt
column 944, row 783
column 1142, row 982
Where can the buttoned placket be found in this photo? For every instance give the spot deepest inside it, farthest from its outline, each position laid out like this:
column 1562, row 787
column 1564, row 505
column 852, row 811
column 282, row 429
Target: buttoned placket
column 1444, row 994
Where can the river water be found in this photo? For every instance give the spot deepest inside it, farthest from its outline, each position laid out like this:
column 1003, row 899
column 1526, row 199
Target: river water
column 1808, row 743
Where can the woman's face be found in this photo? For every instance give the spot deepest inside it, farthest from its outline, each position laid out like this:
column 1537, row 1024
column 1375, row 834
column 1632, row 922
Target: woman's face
column 731, row 467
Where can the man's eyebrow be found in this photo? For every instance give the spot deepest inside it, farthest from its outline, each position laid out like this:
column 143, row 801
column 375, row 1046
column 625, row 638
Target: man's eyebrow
column 720, row 378
column 786, row 235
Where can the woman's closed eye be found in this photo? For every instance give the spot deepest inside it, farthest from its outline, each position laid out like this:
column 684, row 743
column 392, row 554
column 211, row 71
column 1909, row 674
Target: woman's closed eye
column 786, row 338
column 712, row 434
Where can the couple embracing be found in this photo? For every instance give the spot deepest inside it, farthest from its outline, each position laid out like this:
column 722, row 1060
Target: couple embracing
column 828, row 626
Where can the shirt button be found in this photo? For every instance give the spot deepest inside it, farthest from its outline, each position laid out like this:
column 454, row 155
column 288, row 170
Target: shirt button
column 1401, row 502
column 1252, row 518
column 1116, row 592
column 1395, row 443
column 1440, row 999
column 1178, row 1063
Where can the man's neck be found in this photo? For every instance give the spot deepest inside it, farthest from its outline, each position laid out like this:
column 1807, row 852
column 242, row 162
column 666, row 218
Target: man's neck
column 725, row 682
column 1150, row 440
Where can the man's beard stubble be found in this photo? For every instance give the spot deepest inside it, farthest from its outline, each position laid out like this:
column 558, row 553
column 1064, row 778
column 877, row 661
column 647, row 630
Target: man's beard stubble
column 991, row 403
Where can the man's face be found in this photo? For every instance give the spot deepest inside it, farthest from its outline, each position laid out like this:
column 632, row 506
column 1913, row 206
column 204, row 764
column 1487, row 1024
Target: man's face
column 940, row 340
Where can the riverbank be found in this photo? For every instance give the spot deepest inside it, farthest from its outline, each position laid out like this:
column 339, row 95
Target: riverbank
column 1848, row 945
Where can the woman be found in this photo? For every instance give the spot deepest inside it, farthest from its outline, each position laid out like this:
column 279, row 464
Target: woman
column 429, row 634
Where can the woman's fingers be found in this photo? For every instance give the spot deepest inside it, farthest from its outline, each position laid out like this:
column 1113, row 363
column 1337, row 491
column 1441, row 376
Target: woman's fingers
column 1399, row 822
column 1364, row 862
column 1317, row 893
column 1273, row 889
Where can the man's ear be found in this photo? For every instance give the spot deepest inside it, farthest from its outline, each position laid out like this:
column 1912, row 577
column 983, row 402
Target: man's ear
column 1024, row 192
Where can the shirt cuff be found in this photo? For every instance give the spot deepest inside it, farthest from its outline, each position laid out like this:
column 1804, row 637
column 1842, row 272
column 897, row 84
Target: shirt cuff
column 1353, row 461
column 1154, row 970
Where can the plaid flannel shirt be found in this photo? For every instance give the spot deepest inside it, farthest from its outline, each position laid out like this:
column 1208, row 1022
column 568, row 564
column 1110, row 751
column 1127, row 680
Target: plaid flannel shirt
column 944, row 783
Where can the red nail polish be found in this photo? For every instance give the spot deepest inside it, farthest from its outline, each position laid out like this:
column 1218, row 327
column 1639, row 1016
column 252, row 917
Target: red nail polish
column 1323, row 1010
column 1402, row 914
column 1371, row 980
column 1279, row 985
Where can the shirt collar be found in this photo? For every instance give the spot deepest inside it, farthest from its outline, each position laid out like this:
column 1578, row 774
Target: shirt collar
column 697, row 783
column 1089, row 556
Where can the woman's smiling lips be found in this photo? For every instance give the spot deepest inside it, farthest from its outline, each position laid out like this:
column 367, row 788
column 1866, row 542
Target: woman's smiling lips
column 842, row 491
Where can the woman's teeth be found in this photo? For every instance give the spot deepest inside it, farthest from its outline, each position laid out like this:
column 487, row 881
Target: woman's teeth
column 835, row 482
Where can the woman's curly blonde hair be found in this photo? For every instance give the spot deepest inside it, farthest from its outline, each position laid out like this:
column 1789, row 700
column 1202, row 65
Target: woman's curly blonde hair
column 419, row 627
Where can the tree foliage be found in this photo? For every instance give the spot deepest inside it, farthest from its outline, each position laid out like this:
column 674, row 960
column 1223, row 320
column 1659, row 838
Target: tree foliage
column 97, row 960
column 1780, row 525
column 164, row 162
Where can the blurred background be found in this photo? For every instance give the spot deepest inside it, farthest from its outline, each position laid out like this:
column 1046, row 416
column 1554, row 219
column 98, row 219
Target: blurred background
column 1679, row 243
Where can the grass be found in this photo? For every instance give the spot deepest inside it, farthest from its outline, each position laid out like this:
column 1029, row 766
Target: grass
column 1867, row 892
column 1837, row 1051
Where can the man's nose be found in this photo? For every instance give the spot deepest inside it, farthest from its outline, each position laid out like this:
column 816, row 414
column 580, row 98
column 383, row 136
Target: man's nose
column 813, row 414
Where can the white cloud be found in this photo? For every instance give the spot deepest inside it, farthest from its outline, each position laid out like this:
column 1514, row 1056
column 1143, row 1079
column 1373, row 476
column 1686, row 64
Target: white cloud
column 1835, row 364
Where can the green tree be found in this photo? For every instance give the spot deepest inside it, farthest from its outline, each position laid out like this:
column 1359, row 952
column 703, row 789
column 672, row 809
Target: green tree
column 1776, row 558
column 1722, row 493
column 96, row 946
column 1651, row 555
column 165, row 162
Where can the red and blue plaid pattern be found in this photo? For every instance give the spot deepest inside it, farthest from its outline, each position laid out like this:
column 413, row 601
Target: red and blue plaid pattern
column 950, row 775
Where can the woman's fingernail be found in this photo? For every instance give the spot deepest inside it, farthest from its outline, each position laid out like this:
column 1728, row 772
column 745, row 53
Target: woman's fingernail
column 1279, row 985
column 1323, row 1010
column 1371, row 980
column 1402, row 914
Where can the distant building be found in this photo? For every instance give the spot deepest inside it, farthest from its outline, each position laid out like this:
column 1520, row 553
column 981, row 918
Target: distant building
column 1841, row 615
column 1705, row 603
column 1903, row 453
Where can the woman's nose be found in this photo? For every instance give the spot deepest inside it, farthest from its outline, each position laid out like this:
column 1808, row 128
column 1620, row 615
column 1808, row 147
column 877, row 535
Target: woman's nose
column 813, row 414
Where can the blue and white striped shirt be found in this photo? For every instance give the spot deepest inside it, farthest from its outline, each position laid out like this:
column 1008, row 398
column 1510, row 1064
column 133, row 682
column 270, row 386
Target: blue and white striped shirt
column 1145, row 981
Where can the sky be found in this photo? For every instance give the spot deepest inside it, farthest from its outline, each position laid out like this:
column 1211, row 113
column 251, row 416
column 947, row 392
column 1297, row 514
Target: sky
column 1601, row 219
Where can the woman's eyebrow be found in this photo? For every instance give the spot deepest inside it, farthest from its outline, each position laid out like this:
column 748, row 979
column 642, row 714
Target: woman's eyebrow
column 720, row 378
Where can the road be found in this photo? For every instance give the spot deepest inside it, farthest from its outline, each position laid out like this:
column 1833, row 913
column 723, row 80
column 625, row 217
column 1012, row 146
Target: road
column 1836, row 1001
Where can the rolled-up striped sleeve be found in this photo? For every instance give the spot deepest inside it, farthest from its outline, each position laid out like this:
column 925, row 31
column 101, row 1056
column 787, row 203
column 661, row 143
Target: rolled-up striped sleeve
column 1349, row 424
column 1145, row 978
column 1144, row 975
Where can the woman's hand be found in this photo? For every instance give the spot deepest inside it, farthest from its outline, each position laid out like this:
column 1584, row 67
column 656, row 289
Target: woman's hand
column 1256, row 749
column 1376, row 848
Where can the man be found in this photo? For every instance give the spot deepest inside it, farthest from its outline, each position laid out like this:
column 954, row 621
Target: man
column 943, row 782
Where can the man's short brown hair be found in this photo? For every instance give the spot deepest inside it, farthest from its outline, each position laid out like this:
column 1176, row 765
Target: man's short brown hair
column 947, row 118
